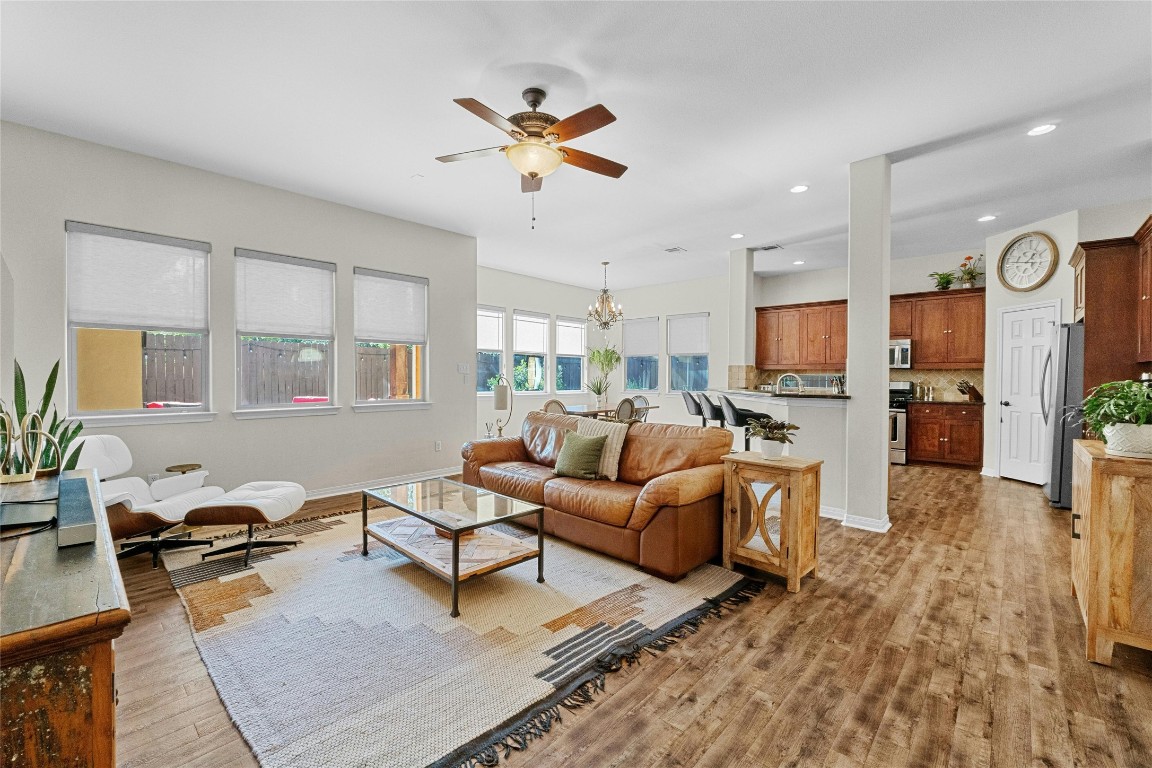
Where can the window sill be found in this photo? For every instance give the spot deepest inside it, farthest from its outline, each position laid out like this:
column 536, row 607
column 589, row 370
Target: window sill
column 280, row 413
column 131, row 419
column 399, row 405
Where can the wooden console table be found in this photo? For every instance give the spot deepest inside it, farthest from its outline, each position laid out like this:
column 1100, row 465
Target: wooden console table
column 1111, row 539
column 777, row 531
column 61, row 610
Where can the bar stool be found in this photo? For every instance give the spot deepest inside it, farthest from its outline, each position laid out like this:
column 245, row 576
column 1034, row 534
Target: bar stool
column 738, row 417
column 693, row 406
column 711, row 411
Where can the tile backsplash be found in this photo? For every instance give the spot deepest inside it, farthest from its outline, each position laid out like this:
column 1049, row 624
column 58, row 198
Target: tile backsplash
column 943, row 383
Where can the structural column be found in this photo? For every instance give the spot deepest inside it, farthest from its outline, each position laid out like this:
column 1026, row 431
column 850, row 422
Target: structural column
column 869, row 286
column 741, row 318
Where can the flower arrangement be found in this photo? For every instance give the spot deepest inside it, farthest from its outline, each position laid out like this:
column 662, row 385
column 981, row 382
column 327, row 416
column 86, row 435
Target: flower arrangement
column 969, row 271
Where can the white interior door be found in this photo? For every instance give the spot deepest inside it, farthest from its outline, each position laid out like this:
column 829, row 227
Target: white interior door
column 1025, row 363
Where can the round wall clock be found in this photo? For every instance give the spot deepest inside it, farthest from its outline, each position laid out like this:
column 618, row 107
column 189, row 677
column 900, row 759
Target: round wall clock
column 1027, row 262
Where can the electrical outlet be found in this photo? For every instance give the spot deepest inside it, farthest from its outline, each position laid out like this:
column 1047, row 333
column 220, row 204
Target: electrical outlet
column 438, row 446
column 153, row 478
column 461, row 367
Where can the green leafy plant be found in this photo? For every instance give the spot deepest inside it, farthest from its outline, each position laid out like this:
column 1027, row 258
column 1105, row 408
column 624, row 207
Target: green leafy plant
column 65, row 432
column 771, row 429
column 943, row 280
column 1117, row 402
column 606, row 359
column 599, row 386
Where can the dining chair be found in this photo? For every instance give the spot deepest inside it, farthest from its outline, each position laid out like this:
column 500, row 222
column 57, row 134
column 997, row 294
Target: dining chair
column 693, row 406
column 738, row 417
column 641, row 403
column 625, row 410
column 554, row 406
column 711, row 411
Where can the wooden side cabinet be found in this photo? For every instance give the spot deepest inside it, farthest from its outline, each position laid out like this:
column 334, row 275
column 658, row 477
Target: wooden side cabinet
column 62, row 610
column 1111, row 539
column 948, row 433
column 772, row 514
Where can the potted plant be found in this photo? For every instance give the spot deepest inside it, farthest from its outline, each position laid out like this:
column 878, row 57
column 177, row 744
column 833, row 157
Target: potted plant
column 773, row 435
column 606, row 359
column 943, row 280
column 18, row 449
column 1120, row 412
column 969, row 271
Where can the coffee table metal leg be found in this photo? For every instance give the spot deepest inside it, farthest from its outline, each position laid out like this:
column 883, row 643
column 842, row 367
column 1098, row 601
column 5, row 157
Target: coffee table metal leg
column 540, row 546
column 455, row 573
column 364, row 516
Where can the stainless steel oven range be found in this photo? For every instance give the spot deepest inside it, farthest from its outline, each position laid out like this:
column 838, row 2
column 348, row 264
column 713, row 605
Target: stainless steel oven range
column 899, row 395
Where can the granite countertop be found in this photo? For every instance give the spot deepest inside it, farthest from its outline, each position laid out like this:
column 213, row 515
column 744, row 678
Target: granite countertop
column 783, row 395
column 949, row 402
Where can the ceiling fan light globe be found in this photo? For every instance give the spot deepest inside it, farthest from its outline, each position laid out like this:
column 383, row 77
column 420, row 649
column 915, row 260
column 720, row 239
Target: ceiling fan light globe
column 534, row 159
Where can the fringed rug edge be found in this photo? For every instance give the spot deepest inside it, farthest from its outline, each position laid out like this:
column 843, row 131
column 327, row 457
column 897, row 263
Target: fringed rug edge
column 533, row 723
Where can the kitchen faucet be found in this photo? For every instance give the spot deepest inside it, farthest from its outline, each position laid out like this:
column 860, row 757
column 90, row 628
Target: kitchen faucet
column 781, row 385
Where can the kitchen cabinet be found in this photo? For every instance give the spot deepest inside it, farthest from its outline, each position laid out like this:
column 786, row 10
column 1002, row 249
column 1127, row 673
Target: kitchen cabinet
column 948, row 330
column 838, row 336
column 1109, row 291
column 809, row 336
column 949, row 433
column 900, row 318
column 1144, row 309
column 1111, row 535
column 789, row 338
column 777, row 338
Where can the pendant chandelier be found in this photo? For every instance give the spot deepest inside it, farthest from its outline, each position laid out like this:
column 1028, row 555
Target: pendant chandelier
column 605, row 311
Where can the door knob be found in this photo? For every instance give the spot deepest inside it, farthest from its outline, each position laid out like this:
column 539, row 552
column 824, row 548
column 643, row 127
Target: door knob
column 1005, row 402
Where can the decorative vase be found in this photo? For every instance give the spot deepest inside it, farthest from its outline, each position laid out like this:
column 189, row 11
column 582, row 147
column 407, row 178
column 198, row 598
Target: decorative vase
column 770, row 449
column 601, row 400
column 1133, row 441
column 968, row 284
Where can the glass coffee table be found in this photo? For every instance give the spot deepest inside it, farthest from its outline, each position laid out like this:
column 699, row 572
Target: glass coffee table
column 446, row 529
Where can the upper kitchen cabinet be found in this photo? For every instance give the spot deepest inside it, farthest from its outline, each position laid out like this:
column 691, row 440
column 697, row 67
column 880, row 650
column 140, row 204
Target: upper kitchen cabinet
column 900, row 318
column 777, row 338
column 948, row 329
column 809, row 336
column 1144, row 309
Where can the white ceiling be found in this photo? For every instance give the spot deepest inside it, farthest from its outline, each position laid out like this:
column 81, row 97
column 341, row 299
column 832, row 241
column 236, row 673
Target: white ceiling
column 721, row 107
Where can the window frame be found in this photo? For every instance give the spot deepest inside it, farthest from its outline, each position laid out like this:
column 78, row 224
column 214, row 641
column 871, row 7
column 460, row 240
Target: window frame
column 672, row 350
column 655, row 355
column 419, row 370
column 140, row 415
column 500, row 311
column 546, row 320
column 583, row 325
column 241, row 411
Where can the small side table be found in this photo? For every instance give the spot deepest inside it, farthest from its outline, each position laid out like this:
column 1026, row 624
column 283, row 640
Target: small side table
column 777, row 531
column 183, row 468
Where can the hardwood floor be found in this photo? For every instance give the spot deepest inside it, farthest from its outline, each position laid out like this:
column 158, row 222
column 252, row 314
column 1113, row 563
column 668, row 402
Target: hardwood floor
column 951, row 641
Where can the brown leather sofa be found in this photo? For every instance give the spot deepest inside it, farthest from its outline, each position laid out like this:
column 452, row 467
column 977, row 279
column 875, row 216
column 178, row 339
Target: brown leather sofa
column 663, row 512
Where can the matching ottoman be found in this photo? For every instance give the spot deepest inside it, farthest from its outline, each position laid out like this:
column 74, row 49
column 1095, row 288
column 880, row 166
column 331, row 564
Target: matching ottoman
column 251, row 504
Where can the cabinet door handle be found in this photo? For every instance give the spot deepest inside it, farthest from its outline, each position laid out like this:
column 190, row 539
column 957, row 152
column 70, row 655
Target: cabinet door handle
column 1075, row 533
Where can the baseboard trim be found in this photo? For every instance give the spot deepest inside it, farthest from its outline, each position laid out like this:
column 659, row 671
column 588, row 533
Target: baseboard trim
column 339, row 490
column 868, row 523
column 989, row 472
column 832, row 513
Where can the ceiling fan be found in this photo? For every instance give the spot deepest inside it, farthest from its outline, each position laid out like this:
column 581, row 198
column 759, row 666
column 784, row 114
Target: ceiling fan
column 535, row 153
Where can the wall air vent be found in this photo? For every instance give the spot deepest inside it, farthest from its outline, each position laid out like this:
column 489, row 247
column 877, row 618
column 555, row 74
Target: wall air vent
column 675, row 249
column 773, row 247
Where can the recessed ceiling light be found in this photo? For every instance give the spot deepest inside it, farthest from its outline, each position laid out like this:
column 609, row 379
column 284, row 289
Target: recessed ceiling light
column 799, row 188
column 797, row 262
column 986, row 218
column 1040, row 130
column 736, row 236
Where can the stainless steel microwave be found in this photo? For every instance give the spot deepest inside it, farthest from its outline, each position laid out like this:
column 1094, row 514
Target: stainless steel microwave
column 900, row 353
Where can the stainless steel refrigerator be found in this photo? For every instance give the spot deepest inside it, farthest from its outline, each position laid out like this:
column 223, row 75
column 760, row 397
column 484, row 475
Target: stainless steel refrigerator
column 1063, row 378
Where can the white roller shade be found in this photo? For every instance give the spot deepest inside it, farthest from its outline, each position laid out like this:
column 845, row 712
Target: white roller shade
column 688, row 334
column 570, row 336
column 391, row 307
column 130, row 279
column 529, row 333
column 489, row 328
column 282, row 296
column 642, row 337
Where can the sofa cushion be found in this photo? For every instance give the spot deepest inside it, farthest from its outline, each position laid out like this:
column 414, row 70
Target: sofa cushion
column 580, row 456
column 518, row 479
column 601, row 500
column 615, row 432
column 543, row 434
column 652, row 450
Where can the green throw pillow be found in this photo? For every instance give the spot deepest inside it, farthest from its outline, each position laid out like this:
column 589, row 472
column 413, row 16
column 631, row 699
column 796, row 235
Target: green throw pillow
column 580, row 456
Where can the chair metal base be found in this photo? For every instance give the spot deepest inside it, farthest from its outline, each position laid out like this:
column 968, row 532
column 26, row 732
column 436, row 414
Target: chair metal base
column 155, row 544
column 248, row 545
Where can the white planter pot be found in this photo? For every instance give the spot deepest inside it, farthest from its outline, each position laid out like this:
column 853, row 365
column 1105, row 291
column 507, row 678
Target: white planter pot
column 770, row 449
column 1131, row 440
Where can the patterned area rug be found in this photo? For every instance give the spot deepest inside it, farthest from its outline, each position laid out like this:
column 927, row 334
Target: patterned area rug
column 325, row 657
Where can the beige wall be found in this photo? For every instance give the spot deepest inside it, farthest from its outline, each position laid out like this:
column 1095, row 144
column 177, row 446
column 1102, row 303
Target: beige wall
column 48, row 179
column 109, row 369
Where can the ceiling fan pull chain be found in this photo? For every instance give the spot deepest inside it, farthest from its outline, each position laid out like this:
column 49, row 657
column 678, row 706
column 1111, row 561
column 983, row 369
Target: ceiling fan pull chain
column 533, row 210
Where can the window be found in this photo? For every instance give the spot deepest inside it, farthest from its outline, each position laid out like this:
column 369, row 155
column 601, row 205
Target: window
column 391, row 335
column 137, row 321
column 570, row 347
column 284, row 330
column 641, row 354
column 529, row 351
column 688, row 352
column 489, row 347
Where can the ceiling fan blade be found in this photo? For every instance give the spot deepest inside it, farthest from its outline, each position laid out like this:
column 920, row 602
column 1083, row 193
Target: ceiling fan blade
column 528, row 184
column 582, row 122
column 594, row 163
column 470, row 155
column 490, row 116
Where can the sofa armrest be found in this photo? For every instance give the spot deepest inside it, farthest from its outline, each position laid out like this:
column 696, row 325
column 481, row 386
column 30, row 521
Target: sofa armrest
column 676, row 489
column 477, row 453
